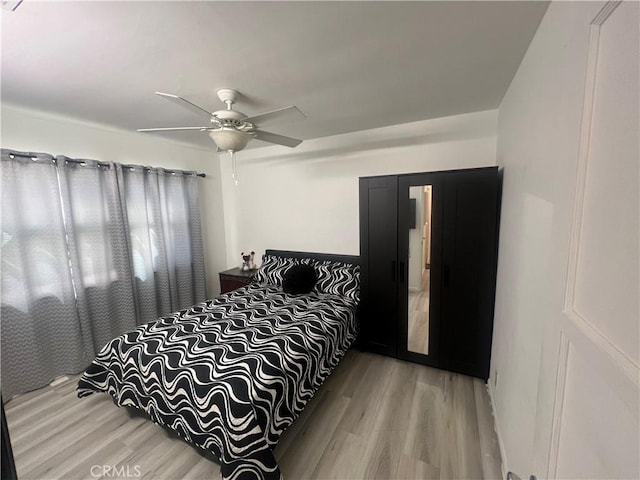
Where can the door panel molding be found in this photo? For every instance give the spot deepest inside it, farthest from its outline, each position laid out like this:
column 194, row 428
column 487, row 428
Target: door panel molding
column 558, row 404
column 570, row 310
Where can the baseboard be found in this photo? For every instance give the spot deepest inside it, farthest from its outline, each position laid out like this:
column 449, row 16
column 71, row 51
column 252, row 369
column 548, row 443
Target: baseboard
column 496, row 427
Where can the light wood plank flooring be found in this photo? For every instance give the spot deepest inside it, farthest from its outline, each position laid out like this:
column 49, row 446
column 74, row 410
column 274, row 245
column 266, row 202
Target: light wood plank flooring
column 374, row 418
column 418, row 321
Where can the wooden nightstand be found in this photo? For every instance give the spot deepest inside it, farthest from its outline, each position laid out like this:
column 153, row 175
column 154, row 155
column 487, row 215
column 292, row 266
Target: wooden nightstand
column 235, row 278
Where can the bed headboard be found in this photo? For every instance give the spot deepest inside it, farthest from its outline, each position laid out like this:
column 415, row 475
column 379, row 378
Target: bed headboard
column 352, row 259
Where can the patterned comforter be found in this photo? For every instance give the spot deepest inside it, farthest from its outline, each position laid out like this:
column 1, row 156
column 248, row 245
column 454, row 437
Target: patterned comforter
column 230, row 374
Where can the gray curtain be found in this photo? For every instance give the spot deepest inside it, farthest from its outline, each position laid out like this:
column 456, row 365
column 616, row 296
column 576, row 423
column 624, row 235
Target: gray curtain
column 89, row 250
column 42, row 332
column 98, row 247
column 166, row 239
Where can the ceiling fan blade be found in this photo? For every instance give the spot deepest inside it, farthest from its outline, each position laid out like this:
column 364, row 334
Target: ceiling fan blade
column 286, row 114
column 185, row 103
column 278, row 139
column 169, row 129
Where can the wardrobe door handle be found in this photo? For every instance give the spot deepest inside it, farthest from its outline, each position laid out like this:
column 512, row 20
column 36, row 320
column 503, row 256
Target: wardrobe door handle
column 393, row 271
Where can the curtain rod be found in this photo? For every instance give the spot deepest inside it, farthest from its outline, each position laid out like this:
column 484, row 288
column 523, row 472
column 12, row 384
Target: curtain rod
column 104, row 164
column 148, row 169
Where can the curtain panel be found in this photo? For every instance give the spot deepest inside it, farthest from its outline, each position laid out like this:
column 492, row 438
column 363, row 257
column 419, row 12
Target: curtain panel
column 89, row 250
column 166, row 240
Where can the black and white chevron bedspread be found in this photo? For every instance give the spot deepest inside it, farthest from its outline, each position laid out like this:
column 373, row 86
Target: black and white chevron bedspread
column 230, row 374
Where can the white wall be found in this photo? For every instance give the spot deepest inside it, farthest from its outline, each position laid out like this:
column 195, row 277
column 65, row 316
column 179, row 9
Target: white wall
column 307, row 198
column 29, row 130
column 544, row 356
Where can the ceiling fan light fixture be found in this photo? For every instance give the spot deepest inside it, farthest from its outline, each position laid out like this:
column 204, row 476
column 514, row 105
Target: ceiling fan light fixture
column 230, row 139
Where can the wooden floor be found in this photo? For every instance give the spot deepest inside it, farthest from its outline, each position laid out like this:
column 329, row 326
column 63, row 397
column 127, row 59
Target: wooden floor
column 418, row 318
column 374, row 418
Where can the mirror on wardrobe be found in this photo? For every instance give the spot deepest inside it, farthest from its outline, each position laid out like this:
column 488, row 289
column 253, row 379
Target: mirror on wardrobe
column 419, row 268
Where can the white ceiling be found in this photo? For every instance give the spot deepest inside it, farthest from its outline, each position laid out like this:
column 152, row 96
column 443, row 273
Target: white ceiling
column 347, row 65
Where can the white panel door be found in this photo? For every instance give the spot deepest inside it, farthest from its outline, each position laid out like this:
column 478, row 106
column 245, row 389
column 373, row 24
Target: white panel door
column 595, row 423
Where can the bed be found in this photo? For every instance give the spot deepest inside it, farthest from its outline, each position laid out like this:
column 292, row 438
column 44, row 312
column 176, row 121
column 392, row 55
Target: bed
column 231, row 374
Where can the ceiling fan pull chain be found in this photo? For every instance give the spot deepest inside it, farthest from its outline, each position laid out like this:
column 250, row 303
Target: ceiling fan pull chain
column 234, row 167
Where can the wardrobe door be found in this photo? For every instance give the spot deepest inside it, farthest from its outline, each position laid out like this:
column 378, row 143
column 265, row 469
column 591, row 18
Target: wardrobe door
column 378, row 253
column 420, row 209
column 469, row 270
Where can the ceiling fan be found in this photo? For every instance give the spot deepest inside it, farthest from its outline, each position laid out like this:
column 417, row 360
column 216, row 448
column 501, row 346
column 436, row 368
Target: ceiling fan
column 230, row 129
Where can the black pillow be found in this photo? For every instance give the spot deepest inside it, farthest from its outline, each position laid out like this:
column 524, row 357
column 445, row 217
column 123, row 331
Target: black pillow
column 299, row 279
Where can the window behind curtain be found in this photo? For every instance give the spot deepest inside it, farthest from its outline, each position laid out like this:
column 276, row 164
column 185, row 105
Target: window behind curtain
column 89, row 250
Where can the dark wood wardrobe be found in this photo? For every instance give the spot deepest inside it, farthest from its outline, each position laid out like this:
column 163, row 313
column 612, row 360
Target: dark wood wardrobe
column 428, row 247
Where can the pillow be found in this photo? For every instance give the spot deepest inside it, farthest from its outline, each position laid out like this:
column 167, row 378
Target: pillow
column 338, row 278
column 273, row 268
column 299, row 279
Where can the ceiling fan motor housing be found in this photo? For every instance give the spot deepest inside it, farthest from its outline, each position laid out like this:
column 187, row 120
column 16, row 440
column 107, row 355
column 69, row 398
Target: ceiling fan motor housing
column 229, row 115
